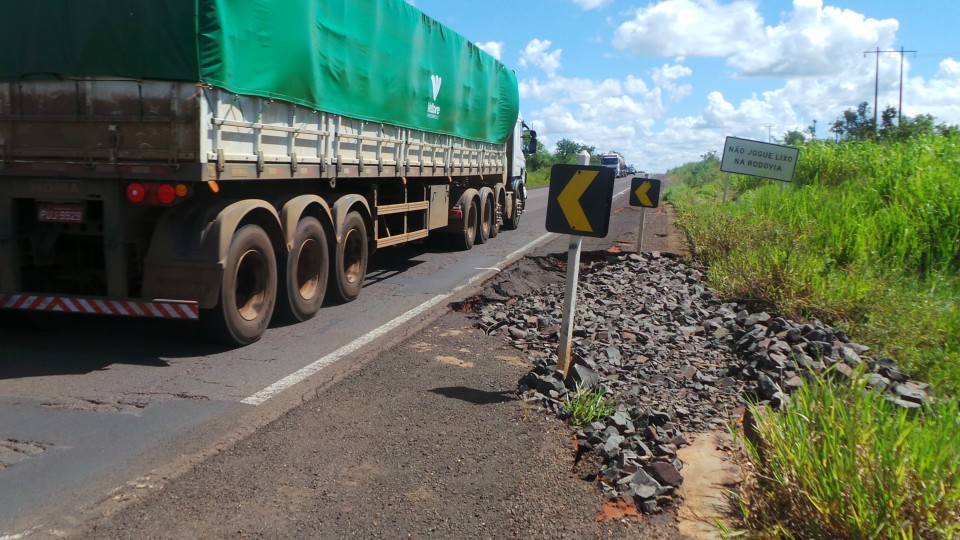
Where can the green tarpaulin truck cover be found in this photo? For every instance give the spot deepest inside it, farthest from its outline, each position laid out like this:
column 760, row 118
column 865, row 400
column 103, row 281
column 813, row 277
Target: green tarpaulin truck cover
column 377, row 60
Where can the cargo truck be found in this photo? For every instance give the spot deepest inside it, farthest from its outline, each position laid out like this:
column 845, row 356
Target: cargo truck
column 615, row 161
column 226, row 160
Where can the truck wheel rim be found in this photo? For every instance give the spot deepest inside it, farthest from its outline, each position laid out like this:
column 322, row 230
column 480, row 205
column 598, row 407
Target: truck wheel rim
column 352, row 256
column 251, row 285
column 472, row 220
column 308, row 263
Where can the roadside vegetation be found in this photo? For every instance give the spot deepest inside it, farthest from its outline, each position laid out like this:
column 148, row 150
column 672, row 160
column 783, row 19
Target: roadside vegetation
column 589, row 405
column 866, row 239
column 846, row 463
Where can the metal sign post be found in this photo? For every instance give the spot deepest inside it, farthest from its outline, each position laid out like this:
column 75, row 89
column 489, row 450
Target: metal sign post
column 645, row 193
column 643, row 217
column 569, row 305
column 579, row 204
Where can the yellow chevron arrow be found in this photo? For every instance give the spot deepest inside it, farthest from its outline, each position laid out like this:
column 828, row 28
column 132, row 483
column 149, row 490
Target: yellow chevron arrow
column 641, row 194
column 569, row 200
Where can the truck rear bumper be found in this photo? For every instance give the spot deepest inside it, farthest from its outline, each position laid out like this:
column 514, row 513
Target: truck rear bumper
column 158, row 309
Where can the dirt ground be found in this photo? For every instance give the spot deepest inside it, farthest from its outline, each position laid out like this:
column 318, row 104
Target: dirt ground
column 427, row 439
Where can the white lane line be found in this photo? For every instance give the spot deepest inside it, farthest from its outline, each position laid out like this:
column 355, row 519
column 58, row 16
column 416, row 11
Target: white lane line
column 353, row 346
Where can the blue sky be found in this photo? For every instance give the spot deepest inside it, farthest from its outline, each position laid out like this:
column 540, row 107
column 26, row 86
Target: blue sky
column 664, row 82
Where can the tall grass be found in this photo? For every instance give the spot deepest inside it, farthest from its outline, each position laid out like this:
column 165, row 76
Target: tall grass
column 538, row 178
column 867, row 238
column 898, row 203
column 843, row 462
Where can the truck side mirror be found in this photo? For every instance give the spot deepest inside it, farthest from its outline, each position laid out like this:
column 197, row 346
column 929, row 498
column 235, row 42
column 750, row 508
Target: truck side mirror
column 532, row 145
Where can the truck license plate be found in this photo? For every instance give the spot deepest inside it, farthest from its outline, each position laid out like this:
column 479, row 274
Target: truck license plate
column 61, row 213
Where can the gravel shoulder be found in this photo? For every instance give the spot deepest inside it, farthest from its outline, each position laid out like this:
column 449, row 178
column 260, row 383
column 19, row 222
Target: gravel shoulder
column 428, row 439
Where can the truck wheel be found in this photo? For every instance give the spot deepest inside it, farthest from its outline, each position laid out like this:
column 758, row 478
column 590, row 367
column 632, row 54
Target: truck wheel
column 248, row 291
column 465, row 240
column 350, row 259
column 497, row 217
column 512, row 221
column 305, row 279
column 487, row 219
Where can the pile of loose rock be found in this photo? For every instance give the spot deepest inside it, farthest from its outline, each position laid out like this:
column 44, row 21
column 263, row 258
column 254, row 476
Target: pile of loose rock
column 677, row 359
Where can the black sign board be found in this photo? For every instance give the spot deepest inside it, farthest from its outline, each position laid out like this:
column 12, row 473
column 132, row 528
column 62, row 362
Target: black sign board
column 645, row 192
column 580, row 200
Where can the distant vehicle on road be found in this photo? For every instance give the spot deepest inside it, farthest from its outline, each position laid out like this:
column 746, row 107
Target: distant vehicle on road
column 631, row 169
column 615, row 161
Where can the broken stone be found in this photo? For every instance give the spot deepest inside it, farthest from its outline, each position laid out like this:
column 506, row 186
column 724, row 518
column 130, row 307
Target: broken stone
column 665, row 473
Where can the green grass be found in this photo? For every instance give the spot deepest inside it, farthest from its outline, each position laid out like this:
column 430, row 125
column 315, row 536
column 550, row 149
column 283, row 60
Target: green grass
column 843, row 462
column 538, row 178
column 587, row 406
column 866, row 239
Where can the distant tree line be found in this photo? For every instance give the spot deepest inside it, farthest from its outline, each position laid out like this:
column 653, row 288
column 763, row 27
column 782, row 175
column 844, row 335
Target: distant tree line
column 860, row 125
column 566, row 153
column 852, row 126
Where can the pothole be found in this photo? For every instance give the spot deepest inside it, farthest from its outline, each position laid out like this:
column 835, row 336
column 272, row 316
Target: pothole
column 13, row 451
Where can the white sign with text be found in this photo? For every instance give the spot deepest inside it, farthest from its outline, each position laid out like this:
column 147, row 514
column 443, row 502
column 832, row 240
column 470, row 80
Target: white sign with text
column 754, row 158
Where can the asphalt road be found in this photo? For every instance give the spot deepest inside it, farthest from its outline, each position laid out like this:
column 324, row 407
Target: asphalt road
column 89, row 405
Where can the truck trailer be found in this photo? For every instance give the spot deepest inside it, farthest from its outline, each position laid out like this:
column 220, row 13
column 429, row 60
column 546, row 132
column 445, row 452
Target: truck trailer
column 224, row 161
column 616, row 162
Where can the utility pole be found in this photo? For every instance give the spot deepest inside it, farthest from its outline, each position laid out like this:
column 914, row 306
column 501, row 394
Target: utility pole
column 769, row 136
column 876, row 82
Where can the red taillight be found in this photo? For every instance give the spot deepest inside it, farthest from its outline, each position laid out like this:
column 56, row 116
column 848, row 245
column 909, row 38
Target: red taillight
column 136, row 193
column 166, row 194
column 456, row 213
column 159, row 194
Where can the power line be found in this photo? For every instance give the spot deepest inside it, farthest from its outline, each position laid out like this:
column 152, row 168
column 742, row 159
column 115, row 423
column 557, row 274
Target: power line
column 876, row 84
column 769, row 136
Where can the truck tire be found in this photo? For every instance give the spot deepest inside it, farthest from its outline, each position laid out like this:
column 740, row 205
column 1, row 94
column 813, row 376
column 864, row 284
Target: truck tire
column 350, row 259
column 512, row 221
column 487, row 219
column 497, row 217
column 465, row 240
column 305, row 278
column 248, row 291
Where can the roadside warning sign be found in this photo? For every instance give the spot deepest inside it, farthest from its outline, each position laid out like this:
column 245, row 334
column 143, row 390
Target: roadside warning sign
column 580, row 200
column 754, row 158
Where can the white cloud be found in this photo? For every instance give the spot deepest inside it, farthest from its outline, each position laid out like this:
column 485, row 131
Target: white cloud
column 812, row 58
column 536, row 54
column 688, row 28
column 812, row 41
column 607, row 114
column 938, row 96
column 569, row 90
column 666, row 77
column 591, row 4
column 949, row 68
column 815, row 41
column 635, row 86
column 493, row 48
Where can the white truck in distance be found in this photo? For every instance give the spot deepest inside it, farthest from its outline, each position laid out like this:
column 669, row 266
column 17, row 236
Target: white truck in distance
column 615, row 161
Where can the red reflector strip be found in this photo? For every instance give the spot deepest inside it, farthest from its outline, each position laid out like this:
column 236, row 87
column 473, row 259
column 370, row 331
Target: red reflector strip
column 167, row 309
